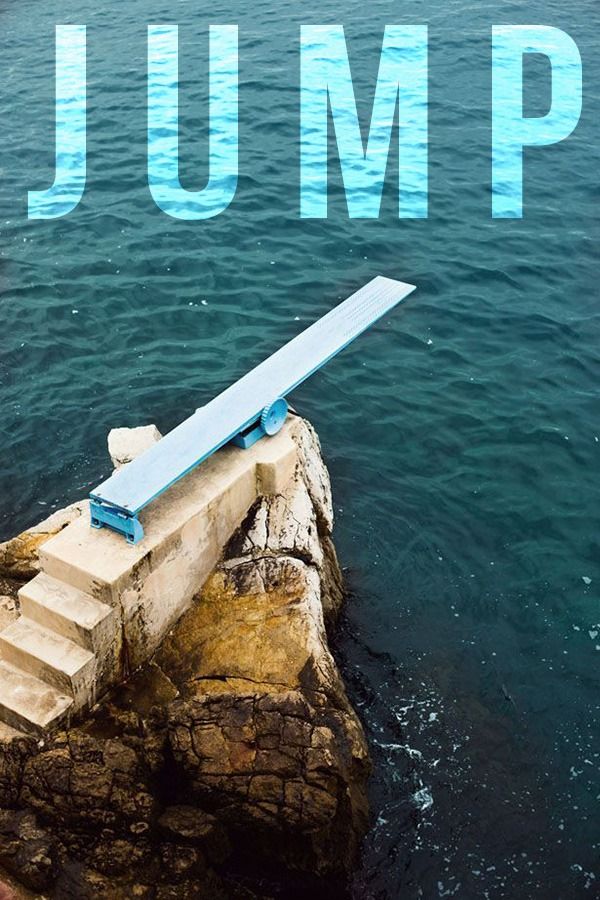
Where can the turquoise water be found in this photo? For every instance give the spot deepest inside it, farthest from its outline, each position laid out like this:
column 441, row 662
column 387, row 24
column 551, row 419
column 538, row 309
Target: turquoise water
column 462, row 434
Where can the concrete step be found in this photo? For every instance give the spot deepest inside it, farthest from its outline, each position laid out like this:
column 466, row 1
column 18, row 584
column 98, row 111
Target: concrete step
column 69, row 612
column 51, row 658
column 28, row 704
column 68, row 559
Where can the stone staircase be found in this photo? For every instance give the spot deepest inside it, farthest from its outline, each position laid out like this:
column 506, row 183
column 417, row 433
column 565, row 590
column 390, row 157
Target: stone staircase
column 56, row 657
column 100, row 607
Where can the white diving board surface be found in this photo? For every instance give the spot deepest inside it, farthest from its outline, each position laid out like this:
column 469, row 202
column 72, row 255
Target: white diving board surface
column 132, row 488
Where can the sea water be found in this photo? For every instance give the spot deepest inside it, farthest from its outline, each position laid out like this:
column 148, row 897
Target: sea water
column 462, row 434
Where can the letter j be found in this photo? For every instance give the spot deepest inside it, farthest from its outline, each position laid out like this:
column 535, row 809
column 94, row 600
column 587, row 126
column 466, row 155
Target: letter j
column 69, row 179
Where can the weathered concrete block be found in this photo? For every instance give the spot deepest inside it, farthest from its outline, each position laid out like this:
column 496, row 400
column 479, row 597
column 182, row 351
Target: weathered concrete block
column 152, row 583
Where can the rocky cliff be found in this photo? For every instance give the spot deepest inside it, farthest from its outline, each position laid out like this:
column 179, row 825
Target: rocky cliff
column 231, row 765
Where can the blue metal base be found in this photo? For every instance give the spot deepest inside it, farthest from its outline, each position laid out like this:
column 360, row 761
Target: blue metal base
column 249, row 436
column 271, row 421
column 103, row 515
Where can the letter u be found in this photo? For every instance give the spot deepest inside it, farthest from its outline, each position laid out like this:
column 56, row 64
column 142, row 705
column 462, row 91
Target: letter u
column 163, row 124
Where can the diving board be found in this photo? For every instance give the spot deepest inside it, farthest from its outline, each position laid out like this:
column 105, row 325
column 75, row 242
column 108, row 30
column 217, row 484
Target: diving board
column 252, row 407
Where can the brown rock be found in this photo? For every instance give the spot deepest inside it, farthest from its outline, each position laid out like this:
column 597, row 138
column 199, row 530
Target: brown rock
column 302, row 794
column 191, row 825
column 89, row 784
column 26, row 851
column 19, row 556
column 15, row 750
column 207, row 888
column 258, row 625
column 181, row 862
column 6, row 892
column 113, row 856
column 81, row 882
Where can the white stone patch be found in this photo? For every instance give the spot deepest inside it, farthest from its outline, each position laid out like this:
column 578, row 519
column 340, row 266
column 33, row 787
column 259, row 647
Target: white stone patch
column 286, row 523
column 314, row 472
column 125, row 444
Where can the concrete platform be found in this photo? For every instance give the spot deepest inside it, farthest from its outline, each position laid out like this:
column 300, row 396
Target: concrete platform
column 202, row 509
column 100, row 607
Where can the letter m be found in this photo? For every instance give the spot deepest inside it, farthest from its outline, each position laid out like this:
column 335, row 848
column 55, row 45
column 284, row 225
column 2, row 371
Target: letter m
column 326, row 82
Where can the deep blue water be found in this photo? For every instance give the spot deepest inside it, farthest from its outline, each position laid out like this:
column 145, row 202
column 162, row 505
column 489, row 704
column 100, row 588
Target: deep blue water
column 462, row 434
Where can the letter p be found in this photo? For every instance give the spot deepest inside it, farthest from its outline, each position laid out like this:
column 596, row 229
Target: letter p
column 511, row 131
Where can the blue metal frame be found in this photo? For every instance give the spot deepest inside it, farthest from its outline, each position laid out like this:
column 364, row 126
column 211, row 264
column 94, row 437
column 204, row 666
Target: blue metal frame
column 104, row 515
